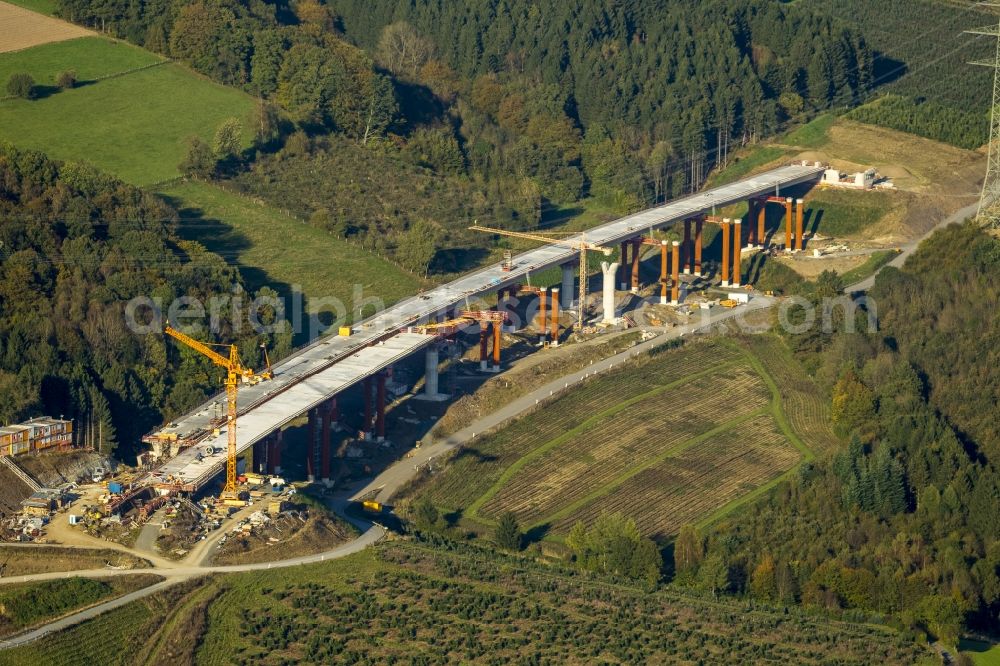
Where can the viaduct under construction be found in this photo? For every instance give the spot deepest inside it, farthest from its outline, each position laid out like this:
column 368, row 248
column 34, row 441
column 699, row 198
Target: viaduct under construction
column 309, row 381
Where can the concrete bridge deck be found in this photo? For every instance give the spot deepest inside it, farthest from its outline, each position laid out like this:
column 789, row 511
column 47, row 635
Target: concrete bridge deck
column 332, row 364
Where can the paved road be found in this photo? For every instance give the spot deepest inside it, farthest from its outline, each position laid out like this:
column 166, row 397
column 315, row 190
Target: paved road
column 908, row 249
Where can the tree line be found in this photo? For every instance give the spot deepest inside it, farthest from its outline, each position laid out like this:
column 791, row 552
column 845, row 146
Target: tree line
column 533, row 107
column 75, row 246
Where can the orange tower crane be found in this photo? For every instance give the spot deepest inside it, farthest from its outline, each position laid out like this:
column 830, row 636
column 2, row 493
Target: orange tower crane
column 580, row 244
column 235, row 373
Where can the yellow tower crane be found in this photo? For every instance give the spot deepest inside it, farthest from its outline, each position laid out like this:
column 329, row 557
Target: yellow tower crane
column 235, row 373
column 579, row 243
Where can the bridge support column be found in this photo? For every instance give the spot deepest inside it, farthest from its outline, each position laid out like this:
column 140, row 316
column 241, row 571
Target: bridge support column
column 663, row 272
column 274, row 455
column 608, row 301
column 737, row 250
column 799, row 212
column 567, row 285
column 788, row 224
column 366, row 389
column 380, row 409
column 751, row 228
column 483, row 337
column 624, row 264
column 761, row 222
column 497, row 341
column 312, row 435
column 324, row 452
column 431, row 361
column 675, row 289
column 699, row 223
column 542, row 321
column 687, row 255
column 259, row 456
column 555, row 317
column 636, row 251
column 725, row 252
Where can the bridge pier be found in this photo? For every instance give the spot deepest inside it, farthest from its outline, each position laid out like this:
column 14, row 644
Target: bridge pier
column 608, row 295
column 737, row 250
column 567, row 285
column 761, row 221
column 555, row 317
column 623, row 265
column 329, row 418
column 274, row 453
column 497, row 341
column 541, row 320
column 751, row 227
column 788, row 224
column 484, row 335
column 687, row 253
column 698, row 235
column 431, row 361
column 366, row 387
column 312, row 443
column 380, row 408
column 799, row 211
column 636, row 252
column 260, row 451
column 663, row 272
column 724, row 225
column 676, row 287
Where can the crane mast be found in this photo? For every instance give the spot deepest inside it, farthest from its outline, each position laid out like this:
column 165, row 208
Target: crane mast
column 580, row 244
column 235, row 372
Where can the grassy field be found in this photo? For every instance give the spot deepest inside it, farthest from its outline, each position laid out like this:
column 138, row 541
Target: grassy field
column 813, row 134
column 679, row 437
column 842, row 213
column 90, row 57
column 47, row 7
column 134, row 126
column 876, row 261
column 27, row 605
column 49, row 559
column 981, row 652
column 275, row 249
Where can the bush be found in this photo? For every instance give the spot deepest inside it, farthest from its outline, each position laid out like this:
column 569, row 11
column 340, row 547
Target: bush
column 66, row 79
column 21, row 85
column 199, row 161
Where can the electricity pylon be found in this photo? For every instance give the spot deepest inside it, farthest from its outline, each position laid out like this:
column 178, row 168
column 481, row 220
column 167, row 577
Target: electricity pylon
column 989, row 200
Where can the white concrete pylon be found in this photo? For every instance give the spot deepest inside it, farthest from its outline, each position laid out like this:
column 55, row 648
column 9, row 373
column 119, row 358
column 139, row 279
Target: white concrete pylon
column 609, row 271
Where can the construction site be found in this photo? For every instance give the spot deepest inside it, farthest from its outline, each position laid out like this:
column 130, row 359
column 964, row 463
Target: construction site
column 336, row 413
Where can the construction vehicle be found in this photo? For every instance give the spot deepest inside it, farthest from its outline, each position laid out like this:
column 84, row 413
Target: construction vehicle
column 579, row 243
column 235, row 373
column 372, row 506
column 267, row 374
column 728, row 303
